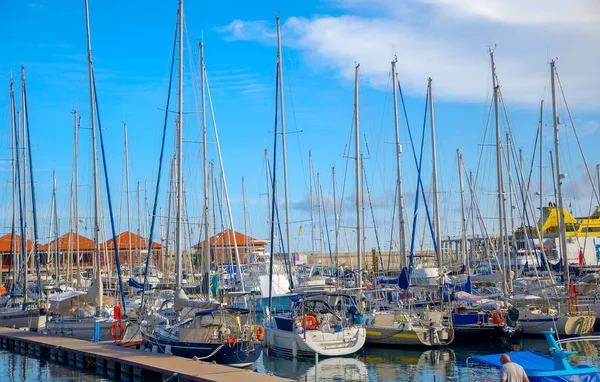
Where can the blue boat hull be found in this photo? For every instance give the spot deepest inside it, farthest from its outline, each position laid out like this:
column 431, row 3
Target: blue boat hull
column 241, row 353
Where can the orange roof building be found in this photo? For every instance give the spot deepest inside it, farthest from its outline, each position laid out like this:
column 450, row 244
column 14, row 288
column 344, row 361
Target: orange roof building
column 129, row 241
column 6, row 240
column 225, row 239
column 221, row 246
column 69, row 241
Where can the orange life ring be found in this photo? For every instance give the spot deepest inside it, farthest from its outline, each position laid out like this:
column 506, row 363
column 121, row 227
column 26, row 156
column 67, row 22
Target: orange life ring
column 496, row 320
column 309, row 322
column 117, row 331
column 231, row 341
column 260, row 333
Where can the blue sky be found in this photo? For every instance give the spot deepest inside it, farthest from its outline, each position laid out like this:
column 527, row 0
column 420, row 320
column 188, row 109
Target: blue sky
column 444, row 39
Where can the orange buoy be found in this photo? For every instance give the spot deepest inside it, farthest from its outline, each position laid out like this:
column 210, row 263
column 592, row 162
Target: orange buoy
column 260, row 333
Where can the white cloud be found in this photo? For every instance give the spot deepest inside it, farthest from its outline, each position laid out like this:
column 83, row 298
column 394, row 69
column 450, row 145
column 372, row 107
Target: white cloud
column 448, row 41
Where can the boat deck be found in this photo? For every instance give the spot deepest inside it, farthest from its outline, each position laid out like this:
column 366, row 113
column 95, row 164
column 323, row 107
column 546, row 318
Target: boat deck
column 117, row 362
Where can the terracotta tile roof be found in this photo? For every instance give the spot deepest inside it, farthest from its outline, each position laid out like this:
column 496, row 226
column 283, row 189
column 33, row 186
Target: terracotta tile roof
column 225, row 239
column 67, row 239
column 6, row 240
column 137, row 242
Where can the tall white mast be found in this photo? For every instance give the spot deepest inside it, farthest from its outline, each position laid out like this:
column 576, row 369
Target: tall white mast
column 541, row 233
column 95, row 159
column 503, row 249
column 128, row 201
column 462, row 208
column 436, row 204
column 400, row 200
column 283, row 144
column 178, row 160
column 335, row 214
column 205, row 208
column 359, row 234
column 310, row 200
column 562, row 230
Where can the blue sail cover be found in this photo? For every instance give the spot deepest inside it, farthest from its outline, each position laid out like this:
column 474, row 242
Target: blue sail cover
column 541, row 369
column 404, row 279
column 467, row 286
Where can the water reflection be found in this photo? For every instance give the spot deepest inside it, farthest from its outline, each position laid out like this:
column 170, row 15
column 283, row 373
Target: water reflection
column 443, row 364
column 18, row 368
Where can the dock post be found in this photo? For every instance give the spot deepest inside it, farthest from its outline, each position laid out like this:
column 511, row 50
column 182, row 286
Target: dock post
column 97, row 331
column 316, row 366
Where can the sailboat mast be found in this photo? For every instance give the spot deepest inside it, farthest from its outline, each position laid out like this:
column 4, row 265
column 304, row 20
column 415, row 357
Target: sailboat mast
column 178, row 157
column 139, row 225
column 542, row 173
column 127, row 200
column 335, row 214
column 500, row 179
column 359, row 235
column 436, row 204
column 97, row 270
column 14, row 153
column 400, row 200
column 310, row 200
column 559, row 177
column 284, row 145
column 206, row 211
column 463, row 247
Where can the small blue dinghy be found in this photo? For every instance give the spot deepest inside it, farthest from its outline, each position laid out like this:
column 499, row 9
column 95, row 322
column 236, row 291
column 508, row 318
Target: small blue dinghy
column 544, row 369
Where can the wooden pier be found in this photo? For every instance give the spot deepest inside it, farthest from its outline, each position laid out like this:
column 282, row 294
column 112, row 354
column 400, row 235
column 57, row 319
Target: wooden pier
column 120, row 363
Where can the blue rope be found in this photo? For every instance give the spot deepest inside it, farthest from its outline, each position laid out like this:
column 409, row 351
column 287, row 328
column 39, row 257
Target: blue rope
column 160, row 166
column 273, row 201
column 110, row 207
column 419, row 182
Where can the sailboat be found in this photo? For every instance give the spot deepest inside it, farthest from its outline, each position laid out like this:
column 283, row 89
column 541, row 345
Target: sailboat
column 78, row 314
column 202, row 329
column 539, row 316
column 389, row 324
column 312, row 326
column 22, row 309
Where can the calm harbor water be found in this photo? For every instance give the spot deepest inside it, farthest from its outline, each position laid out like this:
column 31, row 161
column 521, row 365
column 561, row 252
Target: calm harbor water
column 18, row 368
column 371, row 364
column 444, row 364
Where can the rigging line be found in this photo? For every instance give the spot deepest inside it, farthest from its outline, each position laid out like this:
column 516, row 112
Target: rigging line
column 373, row 217
column 108, row 196
column 31, row 180
column 20, row 193
column 587, row 169
column 160, row 167
column 419, row 163
column 326, row 226
column 273, row 189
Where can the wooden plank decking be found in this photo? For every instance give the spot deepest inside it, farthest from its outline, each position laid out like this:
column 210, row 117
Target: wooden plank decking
column 125, row 364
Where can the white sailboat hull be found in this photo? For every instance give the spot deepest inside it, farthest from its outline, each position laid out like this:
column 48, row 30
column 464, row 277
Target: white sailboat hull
column 82, row 329
column 535, row 324
column 306, row 344
column 19, row 319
